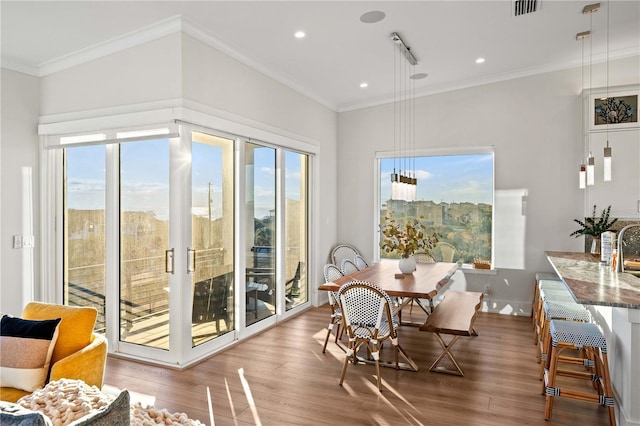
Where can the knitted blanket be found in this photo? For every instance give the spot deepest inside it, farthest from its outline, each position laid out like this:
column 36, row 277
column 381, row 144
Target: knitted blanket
column 65, row 401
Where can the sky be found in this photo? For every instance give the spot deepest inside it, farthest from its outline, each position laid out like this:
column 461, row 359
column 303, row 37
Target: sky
column 145, row 178
column 144, row 185
column 444, row 178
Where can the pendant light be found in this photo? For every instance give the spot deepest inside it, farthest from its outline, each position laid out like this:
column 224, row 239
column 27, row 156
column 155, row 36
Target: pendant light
column 607, row 149
column 403, row 186
column 591, row 166
column 582, row 173
column 591, row 162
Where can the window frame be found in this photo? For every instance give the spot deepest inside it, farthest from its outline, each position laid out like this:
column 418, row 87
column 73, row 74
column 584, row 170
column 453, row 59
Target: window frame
column 51, row 171
column 432, row 152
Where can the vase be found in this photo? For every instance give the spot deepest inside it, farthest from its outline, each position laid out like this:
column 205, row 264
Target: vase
column 595, row 247
column 407, row 264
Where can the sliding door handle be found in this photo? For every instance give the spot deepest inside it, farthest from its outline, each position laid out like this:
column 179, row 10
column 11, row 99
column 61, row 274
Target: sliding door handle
column 191, row 260
column 168, row 261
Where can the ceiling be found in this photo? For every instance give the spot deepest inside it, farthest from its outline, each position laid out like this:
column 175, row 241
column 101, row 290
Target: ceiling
column 339, row 51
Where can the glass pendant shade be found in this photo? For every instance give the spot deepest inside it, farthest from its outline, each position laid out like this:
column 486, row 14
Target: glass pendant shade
column 413, row 187
column 582, row 176
column 395, row 187
column 591, row 170
column 607, row 164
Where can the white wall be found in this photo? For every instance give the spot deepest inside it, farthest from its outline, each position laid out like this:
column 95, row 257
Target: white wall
column 534, row 123
column 218, row 81
column 19, row 148
column 145, row 73
column 178, row 67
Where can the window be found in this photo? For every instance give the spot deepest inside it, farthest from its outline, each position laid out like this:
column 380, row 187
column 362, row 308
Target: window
column 84, row 229
column 150, row 223
column 454, row 198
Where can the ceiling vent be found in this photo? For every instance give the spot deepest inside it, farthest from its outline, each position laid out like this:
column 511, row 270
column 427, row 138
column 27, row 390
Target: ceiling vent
column 523, row 7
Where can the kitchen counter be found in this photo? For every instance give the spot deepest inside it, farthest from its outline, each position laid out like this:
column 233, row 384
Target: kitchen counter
column 613, row 298
column 593, row 283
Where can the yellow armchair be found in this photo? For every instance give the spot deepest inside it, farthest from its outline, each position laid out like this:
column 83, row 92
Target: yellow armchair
column 79, row 353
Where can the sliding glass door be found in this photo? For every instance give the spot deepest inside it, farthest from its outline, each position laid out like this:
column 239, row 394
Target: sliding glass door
column 84, row 224
column 260, row 243
column 296, row 228
column 210, row 260
column 151, row 239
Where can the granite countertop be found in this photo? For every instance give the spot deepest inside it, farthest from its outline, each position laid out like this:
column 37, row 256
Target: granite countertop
column 593, row 283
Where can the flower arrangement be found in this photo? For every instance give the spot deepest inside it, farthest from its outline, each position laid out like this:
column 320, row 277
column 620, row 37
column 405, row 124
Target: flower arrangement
column 594, row 226
column 406, row 239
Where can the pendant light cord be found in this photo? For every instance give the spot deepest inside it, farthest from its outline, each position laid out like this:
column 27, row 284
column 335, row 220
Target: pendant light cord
column 608, row 111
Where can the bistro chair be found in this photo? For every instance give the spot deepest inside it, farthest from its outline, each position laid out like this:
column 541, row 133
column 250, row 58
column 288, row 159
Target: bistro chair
column 360, row 262
column 292, row 286
column 343, row 251
column 423, row 257
column 331, row 273
column 367, row 318
column 444, row 251
column 348, row 267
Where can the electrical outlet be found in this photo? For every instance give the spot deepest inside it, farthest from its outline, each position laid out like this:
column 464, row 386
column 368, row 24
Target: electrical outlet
column 487, row 289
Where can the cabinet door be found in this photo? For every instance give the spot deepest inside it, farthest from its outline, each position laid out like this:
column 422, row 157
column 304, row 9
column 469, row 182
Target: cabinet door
column 623, row 191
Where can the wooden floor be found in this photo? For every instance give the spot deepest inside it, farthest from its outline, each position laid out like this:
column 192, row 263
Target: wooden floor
column 281, row 377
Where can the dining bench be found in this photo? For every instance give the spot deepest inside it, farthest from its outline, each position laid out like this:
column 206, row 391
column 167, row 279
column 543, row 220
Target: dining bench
column 455, row 316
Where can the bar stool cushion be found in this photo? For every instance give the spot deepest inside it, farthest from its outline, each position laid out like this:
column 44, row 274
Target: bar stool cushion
column 577, row 333
column 556, row 295
column 552, row 276
column 551, row 285
column 570, row 311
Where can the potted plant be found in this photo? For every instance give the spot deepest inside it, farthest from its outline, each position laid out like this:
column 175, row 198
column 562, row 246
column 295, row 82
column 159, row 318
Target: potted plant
column 595, row 227
column 405, row 239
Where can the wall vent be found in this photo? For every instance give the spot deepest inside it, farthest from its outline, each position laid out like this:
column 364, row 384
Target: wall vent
column 523, row 7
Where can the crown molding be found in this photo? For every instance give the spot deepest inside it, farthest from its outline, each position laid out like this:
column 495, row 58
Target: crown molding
column 13, row 65
column 494, row 78
column 117, row 44
column 152, row 32
column 178, row 23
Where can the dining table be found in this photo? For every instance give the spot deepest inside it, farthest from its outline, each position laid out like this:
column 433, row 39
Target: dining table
column 424, row 283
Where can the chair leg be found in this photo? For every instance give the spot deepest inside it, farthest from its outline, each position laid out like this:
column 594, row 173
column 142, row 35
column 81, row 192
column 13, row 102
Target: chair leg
column 350, row 354
column 326, row 339
column 550, row 382
column 376, row 357
column 607, row 389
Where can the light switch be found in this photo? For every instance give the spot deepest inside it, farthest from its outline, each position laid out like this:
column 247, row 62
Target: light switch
column 17, row 241
column 28, row 241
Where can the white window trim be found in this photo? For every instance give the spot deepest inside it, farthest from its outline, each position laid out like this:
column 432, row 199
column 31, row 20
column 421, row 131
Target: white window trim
column 51, row 151
column 432, row 152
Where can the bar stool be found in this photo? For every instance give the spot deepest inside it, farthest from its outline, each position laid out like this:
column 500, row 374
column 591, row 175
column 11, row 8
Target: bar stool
column 540, row 276
column 557, row 292
column 537, row 301
column 579, row 335
column 569, row 311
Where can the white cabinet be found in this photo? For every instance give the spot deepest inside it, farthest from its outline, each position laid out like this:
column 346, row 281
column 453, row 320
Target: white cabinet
column 623, row 191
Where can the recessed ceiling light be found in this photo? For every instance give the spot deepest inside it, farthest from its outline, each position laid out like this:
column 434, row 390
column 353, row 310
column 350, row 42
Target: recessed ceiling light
column 372, row 17
column 364, row 84
column 418, row 76
column 479, row 60
column 299, row 34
